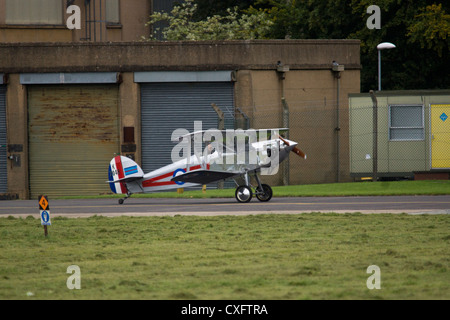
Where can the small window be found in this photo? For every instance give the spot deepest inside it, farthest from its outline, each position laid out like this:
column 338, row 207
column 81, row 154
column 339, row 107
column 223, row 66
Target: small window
column 406, row 122
column 29, row 12
column 112, row 11
column 128, row 134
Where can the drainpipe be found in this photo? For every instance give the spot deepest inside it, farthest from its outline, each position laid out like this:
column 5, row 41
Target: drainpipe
column 220, row 126
column 375, row 135
column 337, row 68
column 281, row 70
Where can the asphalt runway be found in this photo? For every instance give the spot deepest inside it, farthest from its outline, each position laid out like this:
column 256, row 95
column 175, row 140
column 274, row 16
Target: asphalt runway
column 229, row 206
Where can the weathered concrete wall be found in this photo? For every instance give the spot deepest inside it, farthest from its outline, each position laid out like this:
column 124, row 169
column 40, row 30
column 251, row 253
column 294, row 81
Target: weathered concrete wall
column 314, row 109
column 180, row 55
column 130, row 108
column 17, row 137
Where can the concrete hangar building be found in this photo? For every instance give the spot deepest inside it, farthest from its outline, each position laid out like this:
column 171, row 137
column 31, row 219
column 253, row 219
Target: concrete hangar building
column 72, row 99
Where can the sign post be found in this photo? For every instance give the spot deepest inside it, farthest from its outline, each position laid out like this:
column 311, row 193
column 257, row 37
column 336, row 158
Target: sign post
column 44, row 209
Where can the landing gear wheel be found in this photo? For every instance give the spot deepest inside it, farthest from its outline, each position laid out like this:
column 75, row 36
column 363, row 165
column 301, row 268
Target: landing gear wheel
column 265, row 194
column 243, row 194
column 121, row 201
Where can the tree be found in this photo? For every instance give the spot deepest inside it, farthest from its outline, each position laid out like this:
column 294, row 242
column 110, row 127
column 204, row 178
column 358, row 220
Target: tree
column 419, row 28
column 207, row 8
column 410, row 65
column 231, row 26
column 313, row 19
column 431, row 29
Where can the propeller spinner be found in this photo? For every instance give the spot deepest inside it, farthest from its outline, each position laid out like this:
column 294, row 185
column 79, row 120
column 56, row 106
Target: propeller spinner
column 296, row 150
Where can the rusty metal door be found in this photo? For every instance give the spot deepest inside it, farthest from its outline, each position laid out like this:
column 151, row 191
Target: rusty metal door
column 3, row 170
column 73, row 134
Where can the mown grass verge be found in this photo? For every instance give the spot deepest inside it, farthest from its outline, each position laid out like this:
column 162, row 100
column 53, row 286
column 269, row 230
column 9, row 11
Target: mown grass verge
column 305, row 256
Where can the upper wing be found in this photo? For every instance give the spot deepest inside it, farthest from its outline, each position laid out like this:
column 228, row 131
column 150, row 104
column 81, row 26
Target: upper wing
column 271, row 133
column 204, row 176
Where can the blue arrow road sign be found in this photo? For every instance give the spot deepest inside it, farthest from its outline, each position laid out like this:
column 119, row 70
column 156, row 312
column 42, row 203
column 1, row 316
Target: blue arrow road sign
column 45, row 218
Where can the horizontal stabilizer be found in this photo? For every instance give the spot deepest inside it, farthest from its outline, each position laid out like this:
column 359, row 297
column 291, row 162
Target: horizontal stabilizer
column 125, row 180
column 203, row 176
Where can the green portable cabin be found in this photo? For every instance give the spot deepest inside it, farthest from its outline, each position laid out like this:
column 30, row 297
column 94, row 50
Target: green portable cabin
column 409, row 137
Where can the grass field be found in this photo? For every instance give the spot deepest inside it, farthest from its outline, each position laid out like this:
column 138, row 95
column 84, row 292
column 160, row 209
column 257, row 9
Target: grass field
column 306, row 256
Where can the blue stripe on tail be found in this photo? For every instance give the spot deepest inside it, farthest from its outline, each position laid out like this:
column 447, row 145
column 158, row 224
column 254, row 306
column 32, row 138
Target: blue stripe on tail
column 110, row 178
column 130, row 170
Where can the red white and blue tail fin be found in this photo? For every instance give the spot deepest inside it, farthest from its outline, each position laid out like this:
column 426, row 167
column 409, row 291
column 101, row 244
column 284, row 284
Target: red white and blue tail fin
column 121, row 170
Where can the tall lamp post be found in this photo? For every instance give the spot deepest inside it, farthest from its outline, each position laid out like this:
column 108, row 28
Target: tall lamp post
column 382, row 46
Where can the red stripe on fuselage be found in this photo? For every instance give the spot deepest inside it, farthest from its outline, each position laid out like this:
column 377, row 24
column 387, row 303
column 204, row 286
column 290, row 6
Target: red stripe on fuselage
column 170, row 174
column 147, row 184
column 153, row 181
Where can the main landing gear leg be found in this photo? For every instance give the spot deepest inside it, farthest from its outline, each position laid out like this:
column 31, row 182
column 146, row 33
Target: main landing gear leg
column 263, row 192
column 126, row 197
column 244, row 193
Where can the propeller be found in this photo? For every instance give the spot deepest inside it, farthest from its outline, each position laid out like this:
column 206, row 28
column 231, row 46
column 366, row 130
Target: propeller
column 296, row 150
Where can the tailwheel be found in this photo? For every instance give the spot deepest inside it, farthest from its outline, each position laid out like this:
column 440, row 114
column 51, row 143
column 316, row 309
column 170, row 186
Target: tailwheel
column 264, row 193
column 121, row 201
column 243, row 194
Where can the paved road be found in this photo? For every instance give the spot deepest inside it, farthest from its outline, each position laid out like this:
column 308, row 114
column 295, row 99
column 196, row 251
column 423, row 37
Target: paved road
column 229, row 206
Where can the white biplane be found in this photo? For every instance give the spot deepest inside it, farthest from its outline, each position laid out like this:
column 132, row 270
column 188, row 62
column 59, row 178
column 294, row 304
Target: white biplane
column 240, row 155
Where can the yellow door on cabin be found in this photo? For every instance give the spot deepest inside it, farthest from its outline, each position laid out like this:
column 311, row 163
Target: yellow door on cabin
column 440, row 136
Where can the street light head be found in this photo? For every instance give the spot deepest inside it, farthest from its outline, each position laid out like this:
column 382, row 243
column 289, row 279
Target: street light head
column 382, row 46
column 385, row 45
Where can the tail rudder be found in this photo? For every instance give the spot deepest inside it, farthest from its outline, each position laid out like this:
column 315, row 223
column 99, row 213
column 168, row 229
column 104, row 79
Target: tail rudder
column 116, row 187
column 121, row 170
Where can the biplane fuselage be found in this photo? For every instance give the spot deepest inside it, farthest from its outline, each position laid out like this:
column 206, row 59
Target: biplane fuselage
column 126, row 177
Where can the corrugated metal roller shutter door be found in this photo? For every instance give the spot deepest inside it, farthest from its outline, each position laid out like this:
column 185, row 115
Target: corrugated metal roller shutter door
column 169, row 106
column 73, row 134
column 3, row 160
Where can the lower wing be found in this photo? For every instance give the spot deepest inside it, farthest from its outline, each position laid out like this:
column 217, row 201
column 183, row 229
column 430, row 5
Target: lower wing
column 204, row 176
